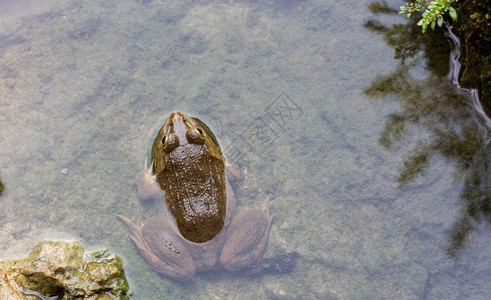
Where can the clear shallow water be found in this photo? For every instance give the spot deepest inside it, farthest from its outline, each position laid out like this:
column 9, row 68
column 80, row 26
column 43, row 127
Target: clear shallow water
column 377, row 170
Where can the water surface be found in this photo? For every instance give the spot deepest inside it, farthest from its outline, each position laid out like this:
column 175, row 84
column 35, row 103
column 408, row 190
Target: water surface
column 377, row 167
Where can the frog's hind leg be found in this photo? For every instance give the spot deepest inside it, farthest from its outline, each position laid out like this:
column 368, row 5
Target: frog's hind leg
column 161, row 248
column 247, row 237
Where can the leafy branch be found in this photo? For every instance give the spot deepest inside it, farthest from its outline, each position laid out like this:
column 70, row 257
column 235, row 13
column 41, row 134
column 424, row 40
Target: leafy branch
column 433, row 11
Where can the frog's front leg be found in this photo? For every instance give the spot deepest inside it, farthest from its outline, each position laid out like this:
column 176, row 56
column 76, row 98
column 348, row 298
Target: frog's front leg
column 247, row 237
column 233, row 172
column 161, row 248
column 148, row 187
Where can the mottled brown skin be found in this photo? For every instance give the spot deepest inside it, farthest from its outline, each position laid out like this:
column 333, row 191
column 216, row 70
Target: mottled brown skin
column 190, row 169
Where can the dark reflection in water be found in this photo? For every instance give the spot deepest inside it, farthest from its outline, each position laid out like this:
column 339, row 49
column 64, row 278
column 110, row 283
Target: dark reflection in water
column 430, row 100
column 1, row 187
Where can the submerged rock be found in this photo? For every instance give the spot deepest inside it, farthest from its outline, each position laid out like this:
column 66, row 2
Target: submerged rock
column 60, row 270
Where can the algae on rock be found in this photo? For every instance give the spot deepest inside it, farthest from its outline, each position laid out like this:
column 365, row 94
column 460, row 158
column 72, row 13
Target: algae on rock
column 60, row 270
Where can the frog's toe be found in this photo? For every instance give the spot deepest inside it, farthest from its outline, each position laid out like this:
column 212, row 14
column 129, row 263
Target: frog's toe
column 266, row 203
column 135, row 232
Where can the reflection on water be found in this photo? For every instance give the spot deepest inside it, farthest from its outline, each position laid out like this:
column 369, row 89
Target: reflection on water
column 1, row 187
column 458, row 129
column 82, row 97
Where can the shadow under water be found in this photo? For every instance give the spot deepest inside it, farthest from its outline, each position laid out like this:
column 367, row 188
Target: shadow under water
column 458, row 130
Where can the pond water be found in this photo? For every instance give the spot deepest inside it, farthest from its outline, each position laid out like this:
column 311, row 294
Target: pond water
column 376, row 164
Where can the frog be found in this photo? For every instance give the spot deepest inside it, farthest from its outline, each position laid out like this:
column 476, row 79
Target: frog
column 197, row 231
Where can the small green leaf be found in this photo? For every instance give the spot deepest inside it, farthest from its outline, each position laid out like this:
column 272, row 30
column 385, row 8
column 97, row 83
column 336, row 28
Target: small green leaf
column 440, row 22
column 424, row 27
column 420, row 23
column 433, row 25
column 408, row 15
column 452, row 13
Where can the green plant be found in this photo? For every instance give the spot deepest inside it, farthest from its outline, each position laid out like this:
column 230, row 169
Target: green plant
column 480, row 18
column 433, row 11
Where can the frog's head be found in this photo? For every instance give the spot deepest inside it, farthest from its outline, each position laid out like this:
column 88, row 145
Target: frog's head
column 180, row 130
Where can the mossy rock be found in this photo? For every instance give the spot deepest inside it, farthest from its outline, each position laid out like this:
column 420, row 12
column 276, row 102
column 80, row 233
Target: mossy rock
column 62, row 271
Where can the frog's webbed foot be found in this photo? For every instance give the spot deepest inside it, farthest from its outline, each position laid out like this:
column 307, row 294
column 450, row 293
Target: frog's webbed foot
column 161, row 248
column 148, row 187
column 247, row 237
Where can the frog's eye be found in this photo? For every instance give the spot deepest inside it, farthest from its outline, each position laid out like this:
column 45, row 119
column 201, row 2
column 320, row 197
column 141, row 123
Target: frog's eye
column 169, row 142
column 195, row 136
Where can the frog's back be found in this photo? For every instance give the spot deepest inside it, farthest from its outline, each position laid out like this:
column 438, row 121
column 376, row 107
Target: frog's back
column 190, row 168
column 195, row 192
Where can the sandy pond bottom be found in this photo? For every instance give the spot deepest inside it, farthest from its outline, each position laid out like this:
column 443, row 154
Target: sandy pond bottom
column 84, row 87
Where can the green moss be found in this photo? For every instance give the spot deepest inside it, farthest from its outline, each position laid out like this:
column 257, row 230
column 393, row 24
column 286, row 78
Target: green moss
column 59, row 268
